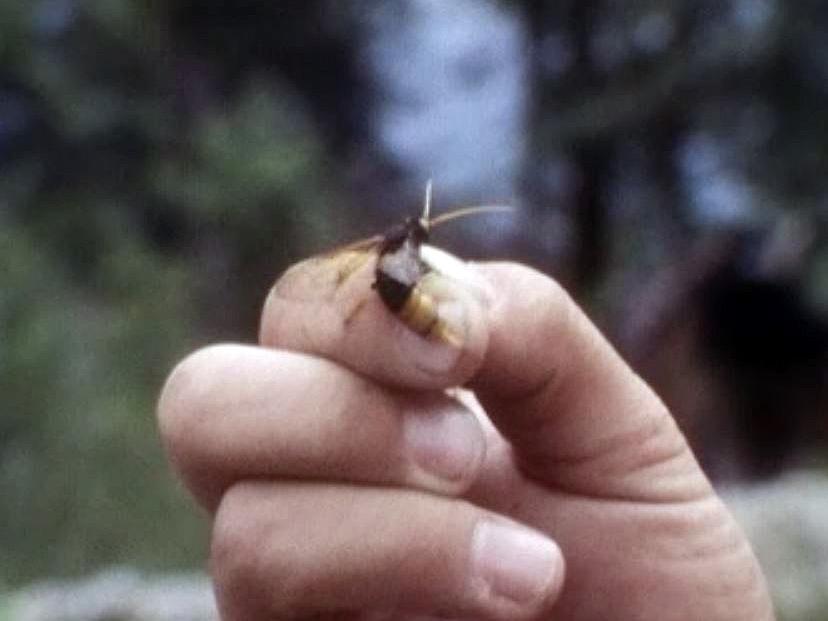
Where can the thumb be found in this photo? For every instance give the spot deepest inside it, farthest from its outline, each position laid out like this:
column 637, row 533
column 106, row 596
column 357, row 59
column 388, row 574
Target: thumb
column 577, row 417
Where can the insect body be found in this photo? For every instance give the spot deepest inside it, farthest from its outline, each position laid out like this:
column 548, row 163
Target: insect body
column 401, row 268
column 399, row 271
column 411, row 278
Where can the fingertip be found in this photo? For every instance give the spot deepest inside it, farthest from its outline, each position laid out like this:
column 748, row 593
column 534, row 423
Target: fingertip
column 436, row 341
column 185, row 392
column 515, row 572
column 194, row 395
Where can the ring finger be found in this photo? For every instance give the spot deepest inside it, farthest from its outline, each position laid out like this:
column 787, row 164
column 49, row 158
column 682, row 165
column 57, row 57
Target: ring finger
column 291, row 550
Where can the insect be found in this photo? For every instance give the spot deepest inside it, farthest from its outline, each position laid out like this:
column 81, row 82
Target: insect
column 401, row 268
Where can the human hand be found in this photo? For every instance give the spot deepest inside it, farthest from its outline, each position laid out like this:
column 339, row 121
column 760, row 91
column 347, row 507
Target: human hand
column 346, row 484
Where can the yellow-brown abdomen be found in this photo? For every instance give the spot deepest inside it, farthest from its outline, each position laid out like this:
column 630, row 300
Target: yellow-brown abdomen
column 420, row 313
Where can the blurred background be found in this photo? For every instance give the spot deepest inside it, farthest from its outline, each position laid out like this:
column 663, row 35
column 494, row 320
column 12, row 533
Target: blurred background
column 162, row 162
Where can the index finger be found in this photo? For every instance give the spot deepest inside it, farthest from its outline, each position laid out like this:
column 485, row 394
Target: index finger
column 575, row 414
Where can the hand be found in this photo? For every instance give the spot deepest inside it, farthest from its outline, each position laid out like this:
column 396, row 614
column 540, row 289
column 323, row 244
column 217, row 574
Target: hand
column 347, row 484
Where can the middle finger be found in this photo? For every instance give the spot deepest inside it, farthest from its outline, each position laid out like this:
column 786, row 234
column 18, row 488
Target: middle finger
column 230, row 412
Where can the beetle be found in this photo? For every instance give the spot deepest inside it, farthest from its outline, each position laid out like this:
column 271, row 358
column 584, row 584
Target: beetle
column 401, row 267
column 403, row 273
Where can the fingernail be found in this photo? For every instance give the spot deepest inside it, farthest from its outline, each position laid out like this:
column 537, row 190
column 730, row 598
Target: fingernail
column 459, row 296
column 512, row 563
column 447, row 444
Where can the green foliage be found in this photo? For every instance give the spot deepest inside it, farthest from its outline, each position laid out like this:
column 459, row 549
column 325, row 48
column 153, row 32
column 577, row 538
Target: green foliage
column 251, row 169
column 122, row 220
column 82, row 476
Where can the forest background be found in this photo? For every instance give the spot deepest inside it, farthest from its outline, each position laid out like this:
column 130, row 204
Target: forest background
column 162, row 162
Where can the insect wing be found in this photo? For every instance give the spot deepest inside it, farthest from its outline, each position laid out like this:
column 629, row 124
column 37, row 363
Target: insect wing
column 367, row 245
column 344, row 261
column 464, row 212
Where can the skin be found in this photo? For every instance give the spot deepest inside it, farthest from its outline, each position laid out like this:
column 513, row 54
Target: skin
column 345, row 483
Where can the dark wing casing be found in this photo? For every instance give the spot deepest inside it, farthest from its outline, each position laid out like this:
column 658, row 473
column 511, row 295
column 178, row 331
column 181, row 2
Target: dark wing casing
column 399, row 267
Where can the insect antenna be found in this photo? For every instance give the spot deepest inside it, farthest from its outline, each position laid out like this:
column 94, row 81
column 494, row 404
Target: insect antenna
column 468, row 211
column 424, row 221
column 428, row 223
